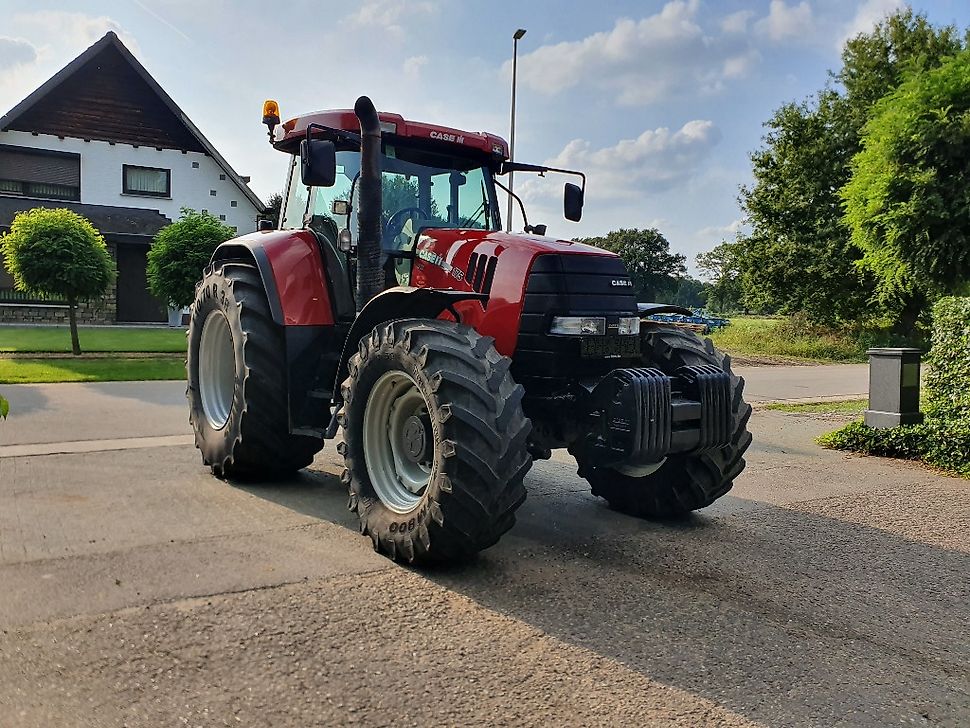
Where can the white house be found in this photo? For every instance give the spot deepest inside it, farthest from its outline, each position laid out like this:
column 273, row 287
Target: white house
column 102, row 138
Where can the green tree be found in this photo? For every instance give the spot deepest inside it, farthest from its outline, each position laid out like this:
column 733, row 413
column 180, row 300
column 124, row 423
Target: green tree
column 800, row 255
column 179, row 254
column 273, row 209
column 690, row 292
column 908, row 201
column 56, row 252
column 722, row 267
column 654, row 270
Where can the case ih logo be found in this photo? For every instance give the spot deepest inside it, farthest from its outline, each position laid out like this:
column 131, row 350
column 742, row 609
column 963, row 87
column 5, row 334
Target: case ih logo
column 622, row 283
column 445, row 137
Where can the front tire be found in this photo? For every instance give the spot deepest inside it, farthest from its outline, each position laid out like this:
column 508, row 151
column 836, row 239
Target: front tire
column 237, row 379
column 681, row 483
column 434, row 440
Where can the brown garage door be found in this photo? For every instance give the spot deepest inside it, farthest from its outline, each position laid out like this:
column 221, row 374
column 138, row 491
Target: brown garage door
column 135, row 303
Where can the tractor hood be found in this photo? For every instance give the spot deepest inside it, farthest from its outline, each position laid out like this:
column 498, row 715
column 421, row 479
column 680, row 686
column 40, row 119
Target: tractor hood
column 525, row 242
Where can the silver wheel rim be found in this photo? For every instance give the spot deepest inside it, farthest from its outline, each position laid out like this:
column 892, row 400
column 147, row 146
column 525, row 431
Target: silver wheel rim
column 398, row 441
column 639, row 471
column 217, row 370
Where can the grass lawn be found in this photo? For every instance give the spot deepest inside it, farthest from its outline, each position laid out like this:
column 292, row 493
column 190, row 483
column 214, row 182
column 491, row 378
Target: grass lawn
column 847, row 407
column 93, row 339
column 30, row 371
column 762, row 336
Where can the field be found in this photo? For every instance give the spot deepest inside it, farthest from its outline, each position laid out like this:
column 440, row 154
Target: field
column 786, row 339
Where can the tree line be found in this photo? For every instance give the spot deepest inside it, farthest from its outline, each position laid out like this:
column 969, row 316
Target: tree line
column 860, row 208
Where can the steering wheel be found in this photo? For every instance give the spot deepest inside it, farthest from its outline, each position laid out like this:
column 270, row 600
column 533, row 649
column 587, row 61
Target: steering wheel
column 397, row 223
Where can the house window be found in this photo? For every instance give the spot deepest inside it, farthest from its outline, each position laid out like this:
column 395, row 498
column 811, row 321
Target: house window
column 233, row 204
column 40, row 173
column 222, row 176
column 146, row 181
column 195, row 165
column 222, row 217
column 212, row 193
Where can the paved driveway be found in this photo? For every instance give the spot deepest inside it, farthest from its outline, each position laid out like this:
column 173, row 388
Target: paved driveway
column 138, row 590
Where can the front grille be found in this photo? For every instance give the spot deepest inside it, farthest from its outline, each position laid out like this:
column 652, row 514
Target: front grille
column 572, row 285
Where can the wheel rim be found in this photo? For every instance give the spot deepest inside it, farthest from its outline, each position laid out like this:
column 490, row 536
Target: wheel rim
column 639, row 471
column 398, row 441
column 217, row 370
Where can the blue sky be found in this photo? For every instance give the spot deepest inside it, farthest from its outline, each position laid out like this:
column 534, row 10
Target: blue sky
column 660, row 102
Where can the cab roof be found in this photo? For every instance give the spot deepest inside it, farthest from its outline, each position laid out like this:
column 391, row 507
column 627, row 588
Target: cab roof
column 345, row 119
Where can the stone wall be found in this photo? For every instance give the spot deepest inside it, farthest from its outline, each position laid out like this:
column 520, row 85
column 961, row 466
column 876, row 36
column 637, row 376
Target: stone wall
column 99, row 311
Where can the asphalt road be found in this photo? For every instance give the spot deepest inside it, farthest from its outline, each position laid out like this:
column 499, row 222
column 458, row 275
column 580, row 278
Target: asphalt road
column 58, row 413
column 137, row 590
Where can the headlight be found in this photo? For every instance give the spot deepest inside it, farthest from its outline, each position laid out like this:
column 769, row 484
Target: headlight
column 629, row 325
column 578, row 325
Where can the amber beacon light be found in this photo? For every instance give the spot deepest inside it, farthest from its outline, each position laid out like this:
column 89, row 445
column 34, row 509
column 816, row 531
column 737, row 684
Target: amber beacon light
column 271, row 116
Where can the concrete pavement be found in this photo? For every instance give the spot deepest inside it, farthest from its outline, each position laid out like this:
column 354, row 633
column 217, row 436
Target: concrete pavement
column 67, row 413
column 137, row 590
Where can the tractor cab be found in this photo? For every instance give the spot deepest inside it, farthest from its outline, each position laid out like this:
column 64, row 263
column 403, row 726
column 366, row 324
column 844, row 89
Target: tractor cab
column 432, row 177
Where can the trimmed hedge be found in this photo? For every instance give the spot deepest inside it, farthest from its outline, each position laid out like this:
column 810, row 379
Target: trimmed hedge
column 943, row 440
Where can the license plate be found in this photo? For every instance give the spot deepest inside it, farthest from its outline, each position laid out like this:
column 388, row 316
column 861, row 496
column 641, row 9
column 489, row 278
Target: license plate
column 610, row 347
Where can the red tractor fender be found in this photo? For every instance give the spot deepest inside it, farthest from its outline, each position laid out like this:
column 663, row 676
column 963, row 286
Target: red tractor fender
column 292, row 271
column 397, row 303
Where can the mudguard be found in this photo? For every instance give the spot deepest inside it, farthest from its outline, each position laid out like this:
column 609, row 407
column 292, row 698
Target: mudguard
column 396, row 303
column 648, row 309
column 292, row 271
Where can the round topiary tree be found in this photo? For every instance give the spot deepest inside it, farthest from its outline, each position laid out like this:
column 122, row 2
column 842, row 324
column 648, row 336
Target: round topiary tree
column 179, row 254
column 56, row 252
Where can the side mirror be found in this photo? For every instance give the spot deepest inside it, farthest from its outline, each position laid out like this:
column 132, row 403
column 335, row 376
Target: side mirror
column 318, row 163
column 572, row 202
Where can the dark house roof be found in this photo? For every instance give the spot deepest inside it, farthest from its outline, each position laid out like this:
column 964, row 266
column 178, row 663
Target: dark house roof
column 140, row 224
column 107, row 95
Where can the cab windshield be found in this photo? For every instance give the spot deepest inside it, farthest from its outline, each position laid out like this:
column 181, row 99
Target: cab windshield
column 421, row 189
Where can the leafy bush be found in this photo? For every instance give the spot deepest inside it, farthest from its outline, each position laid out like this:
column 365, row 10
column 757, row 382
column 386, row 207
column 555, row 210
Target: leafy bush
column 56, row 252
column 948, row 379
column 180, row 252
column 907, row 441
column 943, row 440
column 4, row 408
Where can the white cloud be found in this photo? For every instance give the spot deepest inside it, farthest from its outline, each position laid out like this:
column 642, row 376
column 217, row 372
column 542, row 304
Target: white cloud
column 786, row 21
column 413, row 65
column 15, row 52
column 640, row 61
column 866, row 17
column 658, row 159
column 72, row 32
column 723, row 232
column 737, row 22
column 389, row 16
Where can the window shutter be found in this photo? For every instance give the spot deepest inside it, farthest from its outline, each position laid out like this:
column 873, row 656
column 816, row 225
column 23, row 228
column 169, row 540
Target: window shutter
column 26, row 165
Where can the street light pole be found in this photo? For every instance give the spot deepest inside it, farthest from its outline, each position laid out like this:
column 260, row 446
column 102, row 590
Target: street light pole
column 515, row 56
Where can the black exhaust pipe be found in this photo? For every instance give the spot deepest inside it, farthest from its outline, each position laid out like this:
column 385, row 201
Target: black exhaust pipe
column 370, row 277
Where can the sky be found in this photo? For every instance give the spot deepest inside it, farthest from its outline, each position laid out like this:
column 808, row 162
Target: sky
column 660, row 103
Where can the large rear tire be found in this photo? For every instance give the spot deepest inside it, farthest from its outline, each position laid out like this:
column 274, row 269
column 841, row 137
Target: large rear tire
column 237, row 379
column 682, row 483
column 434, row 440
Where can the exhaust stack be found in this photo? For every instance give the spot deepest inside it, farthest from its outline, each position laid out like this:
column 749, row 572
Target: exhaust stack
column 370, row 277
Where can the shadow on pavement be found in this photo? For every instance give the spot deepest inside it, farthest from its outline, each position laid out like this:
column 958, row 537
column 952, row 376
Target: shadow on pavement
column 780, row 615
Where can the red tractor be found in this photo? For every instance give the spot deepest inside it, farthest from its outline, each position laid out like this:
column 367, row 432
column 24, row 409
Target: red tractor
column 390, row 304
